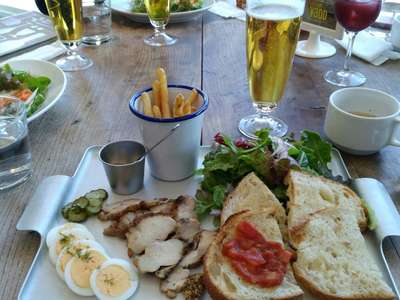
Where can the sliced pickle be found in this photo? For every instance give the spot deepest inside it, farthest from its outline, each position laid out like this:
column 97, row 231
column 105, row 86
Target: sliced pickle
column 95, row 202
column 82, row 202
column 92, row 210
column 77, row 215
column 97, row 194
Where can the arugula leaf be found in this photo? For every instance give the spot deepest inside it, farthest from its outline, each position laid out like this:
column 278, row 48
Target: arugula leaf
column 315, row 153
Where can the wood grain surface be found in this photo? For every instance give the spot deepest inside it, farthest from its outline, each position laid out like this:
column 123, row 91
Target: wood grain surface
column 210, row 54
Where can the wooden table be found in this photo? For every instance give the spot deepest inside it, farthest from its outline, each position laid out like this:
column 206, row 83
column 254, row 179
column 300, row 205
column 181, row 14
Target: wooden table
column 210, row 54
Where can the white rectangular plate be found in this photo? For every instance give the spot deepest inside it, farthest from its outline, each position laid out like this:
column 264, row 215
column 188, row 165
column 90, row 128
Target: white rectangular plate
column 43, row 213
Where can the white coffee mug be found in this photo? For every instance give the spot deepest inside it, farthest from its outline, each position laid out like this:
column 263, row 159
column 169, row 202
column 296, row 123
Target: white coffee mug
column 395, row 32
column 362, row 121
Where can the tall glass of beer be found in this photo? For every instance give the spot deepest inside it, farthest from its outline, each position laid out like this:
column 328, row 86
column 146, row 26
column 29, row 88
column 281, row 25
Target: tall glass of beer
column 273, row 28
column 66, row 16
column 158, row 12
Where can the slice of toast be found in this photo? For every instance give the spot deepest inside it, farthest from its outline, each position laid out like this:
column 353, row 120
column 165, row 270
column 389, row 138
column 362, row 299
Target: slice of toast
column 222, row 281
column 252, row 194
column 309, row 194
column 333, row 261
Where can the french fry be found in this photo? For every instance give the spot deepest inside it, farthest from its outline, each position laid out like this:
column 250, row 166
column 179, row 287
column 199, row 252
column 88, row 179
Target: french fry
column 179, row 111
column 156, row 111
column 146, row 104
column 187, row 109
column 193, row 108
column 193, row 96
column 156, row 93
column 179, row 101
column 164, row 103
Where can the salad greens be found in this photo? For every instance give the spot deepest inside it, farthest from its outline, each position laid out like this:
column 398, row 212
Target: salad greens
column 176, row 5
column 269, row 158
column 12, row 80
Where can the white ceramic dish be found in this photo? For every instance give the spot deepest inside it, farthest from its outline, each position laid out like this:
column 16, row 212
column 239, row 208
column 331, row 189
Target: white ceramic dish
column 124, row 7
column 43, row 68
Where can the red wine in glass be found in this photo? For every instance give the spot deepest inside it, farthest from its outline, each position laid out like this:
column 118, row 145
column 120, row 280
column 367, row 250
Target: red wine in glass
column 354, row 16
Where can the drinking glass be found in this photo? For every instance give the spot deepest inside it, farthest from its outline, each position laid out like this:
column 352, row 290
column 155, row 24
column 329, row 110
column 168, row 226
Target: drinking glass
column 97, row 21
column 158, row 12
column 354, row 16
column 15, row 156
column 273, row 28
column 66, row 16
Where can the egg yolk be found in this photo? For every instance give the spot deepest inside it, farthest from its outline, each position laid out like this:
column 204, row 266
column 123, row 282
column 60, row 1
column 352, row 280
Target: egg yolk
column 113, row 281
column 82, row 267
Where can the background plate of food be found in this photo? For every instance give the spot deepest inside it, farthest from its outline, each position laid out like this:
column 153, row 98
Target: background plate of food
column 36, row 82
column 181, row 10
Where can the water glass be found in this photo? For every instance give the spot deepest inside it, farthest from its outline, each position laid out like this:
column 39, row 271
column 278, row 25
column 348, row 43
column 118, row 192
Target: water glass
column 15, row 155
column 97, row 21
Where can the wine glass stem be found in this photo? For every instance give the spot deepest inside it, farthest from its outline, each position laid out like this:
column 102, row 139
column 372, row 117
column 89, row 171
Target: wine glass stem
column 71, row 46
column 159, row 29
column 352, row 36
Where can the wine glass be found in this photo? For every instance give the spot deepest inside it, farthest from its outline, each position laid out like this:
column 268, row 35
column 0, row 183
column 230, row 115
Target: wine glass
column 66, row 16
column 158, row 12
column 272, row 32
column 354, row 16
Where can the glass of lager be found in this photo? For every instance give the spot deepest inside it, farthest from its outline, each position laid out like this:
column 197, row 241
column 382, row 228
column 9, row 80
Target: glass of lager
column 273, row 28
column 158, row 12
column 66, row 16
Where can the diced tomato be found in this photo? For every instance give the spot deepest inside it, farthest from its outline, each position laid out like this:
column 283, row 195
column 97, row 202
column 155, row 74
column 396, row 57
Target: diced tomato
column 255, row 259
column 23, row 94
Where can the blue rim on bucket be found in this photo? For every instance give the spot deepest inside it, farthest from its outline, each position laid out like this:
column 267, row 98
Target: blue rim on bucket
column 198, row 112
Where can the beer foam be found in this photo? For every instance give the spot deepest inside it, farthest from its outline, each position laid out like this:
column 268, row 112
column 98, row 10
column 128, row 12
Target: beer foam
column 277, row 10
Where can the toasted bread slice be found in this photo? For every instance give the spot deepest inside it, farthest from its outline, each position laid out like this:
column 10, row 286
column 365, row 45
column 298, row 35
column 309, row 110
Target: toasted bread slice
column 222, row 281
column 333, row 261
column 309, row 194
column 252, row 194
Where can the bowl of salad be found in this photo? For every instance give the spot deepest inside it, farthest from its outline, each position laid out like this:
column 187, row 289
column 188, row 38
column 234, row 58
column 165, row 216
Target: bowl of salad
column 39, row 84
column 181, row 10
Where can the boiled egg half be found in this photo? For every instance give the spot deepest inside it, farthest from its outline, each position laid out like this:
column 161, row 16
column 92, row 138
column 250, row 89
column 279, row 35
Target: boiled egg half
column 79, row 269
column 64, row 238
column 116, row 279
column 52, row 234
column 74, row 250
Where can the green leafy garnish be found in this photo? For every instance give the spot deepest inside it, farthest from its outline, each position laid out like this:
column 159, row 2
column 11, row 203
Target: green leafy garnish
column 270, row 159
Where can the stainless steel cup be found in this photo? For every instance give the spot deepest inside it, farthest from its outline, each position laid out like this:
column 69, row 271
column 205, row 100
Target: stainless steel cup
column 124, row 171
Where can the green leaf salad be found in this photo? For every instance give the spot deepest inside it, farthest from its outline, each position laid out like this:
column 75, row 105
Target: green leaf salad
column 269, row 158
column 176, row 5
column 30, row 89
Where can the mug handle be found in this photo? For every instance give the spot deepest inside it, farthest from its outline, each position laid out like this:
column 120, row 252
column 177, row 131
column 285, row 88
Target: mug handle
column 394, row 140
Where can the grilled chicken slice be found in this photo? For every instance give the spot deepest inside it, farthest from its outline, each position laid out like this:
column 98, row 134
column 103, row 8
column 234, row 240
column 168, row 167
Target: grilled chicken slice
column 147, row 229
column 187, row 229
column 163, row 272
column 176, row 279
column 117, row 210
column 159, row 254
column 185, row 209
column 200, row 245
column 175, row 282
column 165, row 207
column 120, row 228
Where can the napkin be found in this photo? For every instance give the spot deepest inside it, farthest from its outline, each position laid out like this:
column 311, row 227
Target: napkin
column 47, row 52
column 370, row 48
column 228, row 10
